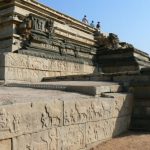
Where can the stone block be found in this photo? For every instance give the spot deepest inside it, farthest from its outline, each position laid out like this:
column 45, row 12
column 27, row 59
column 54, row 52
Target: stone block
column 100, row 130
column 114, row 69
column 30, row 117
column 5, row 45
column 33, row 69
column 16, row 60
column 106, row 129
column 122, row 104
column 16, row 43
column 5, row 145
column 73, row 31
column 20, row 74
column 121, row 125
column 6, row 30
column 95, row 90
column 17, row 74
column 45, row 140
column 57, row 65
column 37, row 63
column 89, row 69
column 84, row 110
column 72, row 137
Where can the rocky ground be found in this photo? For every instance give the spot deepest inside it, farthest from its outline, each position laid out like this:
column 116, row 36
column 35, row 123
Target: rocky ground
column 128, row 141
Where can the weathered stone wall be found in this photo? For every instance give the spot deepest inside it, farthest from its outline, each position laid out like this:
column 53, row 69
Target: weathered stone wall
column 66, row 124
column 55, row 44
column 18, row 67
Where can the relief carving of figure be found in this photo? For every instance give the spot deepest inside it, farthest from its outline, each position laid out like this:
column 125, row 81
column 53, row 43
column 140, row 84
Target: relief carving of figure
column 25, row 28
column 82, row 112
column 72, row 116
column 66, row 118
column 16, row 122
column 45, row 120
column 53, row 135
column 106, row 108
column 90, row 113
column 53, row 113
column 3, row 120
column 96, row 109
column 50, row 27
column 28, row 147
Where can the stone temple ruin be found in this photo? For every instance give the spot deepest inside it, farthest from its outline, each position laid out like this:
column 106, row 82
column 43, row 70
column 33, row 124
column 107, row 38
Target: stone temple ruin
column 101, row 86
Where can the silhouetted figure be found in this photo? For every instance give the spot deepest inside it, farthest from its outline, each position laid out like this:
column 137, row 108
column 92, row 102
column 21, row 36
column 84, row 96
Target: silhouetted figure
column 92, row 24
column 98, row 26
column 84, row 20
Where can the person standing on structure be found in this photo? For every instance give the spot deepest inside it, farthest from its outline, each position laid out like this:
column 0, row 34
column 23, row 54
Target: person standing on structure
column 92, row 24
column 84, row 20
column 98, row 26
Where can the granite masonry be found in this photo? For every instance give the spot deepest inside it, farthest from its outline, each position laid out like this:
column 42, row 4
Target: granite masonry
column 40, row 44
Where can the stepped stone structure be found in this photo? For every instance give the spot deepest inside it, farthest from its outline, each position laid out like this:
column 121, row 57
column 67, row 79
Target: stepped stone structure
column 38, row 46
column 37, row 42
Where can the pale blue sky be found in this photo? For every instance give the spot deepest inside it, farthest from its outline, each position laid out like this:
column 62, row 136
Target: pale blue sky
column 129, row 19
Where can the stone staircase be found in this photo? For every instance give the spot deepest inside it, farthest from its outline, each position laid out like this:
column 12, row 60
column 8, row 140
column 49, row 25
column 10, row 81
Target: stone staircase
column 141, row 110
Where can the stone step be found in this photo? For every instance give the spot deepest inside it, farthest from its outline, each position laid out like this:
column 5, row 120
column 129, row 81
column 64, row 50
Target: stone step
column 140, row 124
column 142, row 92
column 83, row 87
column 142, row 103
column 89, row 77
column 139, row 111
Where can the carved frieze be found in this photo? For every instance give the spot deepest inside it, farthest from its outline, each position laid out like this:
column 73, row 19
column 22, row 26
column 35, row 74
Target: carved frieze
column 4, row 120
column 80, row 112
column 29, row 117
column 38, row 35
column 46, row 140
column 72, row 137
column 35, row 29
column 94, row 110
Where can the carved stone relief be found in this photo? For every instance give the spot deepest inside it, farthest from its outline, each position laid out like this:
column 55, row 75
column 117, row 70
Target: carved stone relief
column 72, row 137
column 46, row 140
column 86, row 110
column 4, row 120
column 98, row 131
column 29, row 117
column 38, row 34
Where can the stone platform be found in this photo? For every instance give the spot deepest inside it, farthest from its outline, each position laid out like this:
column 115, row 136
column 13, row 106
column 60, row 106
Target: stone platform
column 84, row 87
column 48, row 119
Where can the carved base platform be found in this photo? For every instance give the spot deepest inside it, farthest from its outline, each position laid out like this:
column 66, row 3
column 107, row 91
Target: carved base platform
column 28, row 68
column 40, row 119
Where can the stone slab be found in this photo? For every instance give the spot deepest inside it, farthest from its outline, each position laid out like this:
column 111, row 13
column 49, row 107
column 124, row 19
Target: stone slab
column 84, row 87
column 5, row 144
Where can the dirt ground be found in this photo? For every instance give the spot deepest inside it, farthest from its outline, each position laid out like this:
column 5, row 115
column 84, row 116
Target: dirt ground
column 128, row 141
